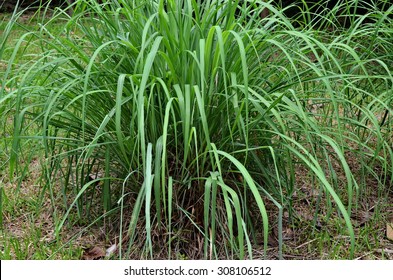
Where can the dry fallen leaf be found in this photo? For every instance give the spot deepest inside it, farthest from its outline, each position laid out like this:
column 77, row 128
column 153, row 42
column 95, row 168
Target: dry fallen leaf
column 288, row 233
column 93, row 253
column 110, row 250
column 389, row 231
column 361, row 218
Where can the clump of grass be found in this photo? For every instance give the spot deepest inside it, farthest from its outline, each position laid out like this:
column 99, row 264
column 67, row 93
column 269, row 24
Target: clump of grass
column 192, row 116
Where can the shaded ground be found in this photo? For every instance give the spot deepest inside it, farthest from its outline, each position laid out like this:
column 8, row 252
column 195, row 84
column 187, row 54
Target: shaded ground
column 305, row 235
column 9, row 5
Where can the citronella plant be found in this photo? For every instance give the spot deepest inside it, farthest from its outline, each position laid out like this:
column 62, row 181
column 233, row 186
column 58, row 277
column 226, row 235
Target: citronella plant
column 193, row 116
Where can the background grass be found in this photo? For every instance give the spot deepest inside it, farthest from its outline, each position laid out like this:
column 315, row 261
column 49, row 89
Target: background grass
column 200, row 130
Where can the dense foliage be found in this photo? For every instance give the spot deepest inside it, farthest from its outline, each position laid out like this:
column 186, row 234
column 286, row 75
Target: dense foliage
column 190, row 119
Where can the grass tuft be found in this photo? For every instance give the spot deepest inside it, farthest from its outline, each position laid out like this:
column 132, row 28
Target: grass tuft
column 193, row 119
